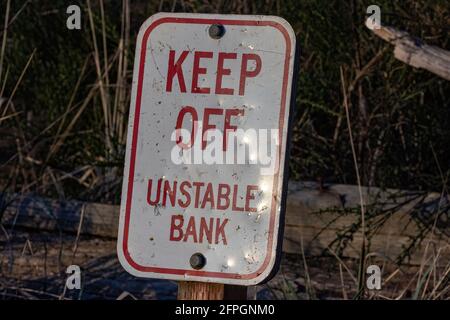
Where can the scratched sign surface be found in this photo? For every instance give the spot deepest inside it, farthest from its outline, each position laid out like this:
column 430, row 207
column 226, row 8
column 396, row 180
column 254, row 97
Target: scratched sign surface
column 203, row 181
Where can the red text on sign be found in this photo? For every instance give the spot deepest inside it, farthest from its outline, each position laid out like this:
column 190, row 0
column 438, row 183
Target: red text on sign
column 208, row 124
column 175, row 69
column 198, row 230
column 201, row 195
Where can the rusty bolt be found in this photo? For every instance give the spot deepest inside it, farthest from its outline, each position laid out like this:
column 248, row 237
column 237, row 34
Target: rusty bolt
column 197, row 261
column 216, row 31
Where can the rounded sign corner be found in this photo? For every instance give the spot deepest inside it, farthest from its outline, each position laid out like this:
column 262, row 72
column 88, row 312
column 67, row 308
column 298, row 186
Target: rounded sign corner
column 266, row 274
column 124, row 260
column 152, row 19
column 286, row 26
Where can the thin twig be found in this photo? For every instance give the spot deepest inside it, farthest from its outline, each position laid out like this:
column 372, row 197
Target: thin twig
column 358, row 179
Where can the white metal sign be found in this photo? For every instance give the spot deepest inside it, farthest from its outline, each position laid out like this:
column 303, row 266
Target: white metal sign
column 203, row 183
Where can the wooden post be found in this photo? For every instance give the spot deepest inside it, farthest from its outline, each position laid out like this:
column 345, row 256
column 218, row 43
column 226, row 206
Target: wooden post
column 210, row 291
column 200, row 291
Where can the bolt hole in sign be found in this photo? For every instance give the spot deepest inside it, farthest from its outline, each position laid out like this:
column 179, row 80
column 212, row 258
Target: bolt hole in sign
column 204, row 188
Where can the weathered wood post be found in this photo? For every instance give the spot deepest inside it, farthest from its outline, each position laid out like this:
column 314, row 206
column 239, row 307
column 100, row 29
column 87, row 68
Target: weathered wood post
column 200, row 291
column 210, row 291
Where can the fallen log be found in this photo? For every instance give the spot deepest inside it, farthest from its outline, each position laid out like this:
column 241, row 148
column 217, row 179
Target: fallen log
column 402, row 227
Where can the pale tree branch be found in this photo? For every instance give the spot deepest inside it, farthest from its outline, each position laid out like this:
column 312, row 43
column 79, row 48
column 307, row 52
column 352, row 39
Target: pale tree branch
column 415, row 52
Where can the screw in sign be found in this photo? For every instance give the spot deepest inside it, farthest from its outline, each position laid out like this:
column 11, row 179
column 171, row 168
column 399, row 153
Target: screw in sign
column 204, row 180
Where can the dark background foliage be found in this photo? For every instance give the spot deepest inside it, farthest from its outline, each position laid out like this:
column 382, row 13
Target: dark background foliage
column 400, row 116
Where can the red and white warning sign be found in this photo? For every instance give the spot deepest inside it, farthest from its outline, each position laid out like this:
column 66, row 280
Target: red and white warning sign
column 203, row 183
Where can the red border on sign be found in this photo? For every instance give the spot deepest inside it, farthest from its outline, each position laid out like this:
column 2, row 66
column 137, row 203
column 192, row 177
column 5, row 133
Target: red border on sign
column 145, row 38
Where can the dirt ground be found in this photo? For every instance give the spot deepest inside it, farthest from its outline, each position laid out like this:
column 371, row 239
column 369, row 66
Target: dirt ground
column 32, row 266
